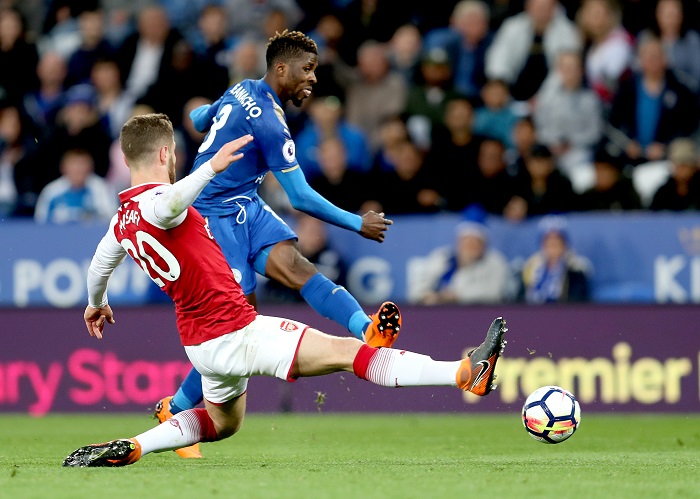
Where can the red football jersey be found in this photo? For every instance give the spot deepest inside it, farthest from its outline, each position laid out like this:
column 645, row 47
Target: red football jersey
column 187, row 263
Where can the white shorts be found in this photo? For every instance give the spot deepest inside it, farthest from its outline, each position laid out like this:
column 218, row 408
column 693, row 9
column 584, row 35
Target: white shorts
column 267, row 346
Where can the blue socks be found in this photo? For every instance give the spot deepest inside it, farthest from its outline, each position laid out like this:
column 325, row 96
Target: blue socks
column 189, row 395
column 335, row 303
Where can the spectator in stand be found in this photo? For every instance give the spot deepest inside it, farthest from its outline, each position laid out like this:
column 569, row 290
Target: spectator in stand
column 375, row 93
column 493, row 187
column 33, row 11
column 194, row 76
column 543, row 188
column 184, row 14
column 16, row 139
column 94, row 46
column 524, row 137
column 249, row 19
column 334, row 52
column 496, row 117
column 119, row 19
column 60, row 32
column 314, row 245
column 188, row 139
column 392, row 131
column 410, row 191
column 247, row 62
column 651, row 108
column 526, row 47
column 43, row 104
column 610, row 47
column 569, row 119
column 211, row 41
column 326, row 120
column 682, row 190
column 113, row 103
column 427, row 101
column 78, row 195
column 77, row 127
column 147, row 55
column 16, row 53
column 466, row 41
column 467, row 272
column 555, row 273
column 612, row 190
column 452, row 159
column 372, row 20
column 681, row 43
column 404, row 52
column 338, row 183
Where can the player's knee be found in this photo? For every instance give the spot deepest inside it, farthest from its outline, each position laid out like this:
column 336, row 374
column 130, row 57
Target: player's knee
column 344, row 351
column 227, row 428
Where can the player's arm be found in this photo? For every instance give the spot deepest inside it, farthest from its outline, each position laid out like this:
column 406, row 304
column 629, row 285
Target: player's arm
column 170, row 208
column 303, row 198
column 108, row 256
column 201, row 116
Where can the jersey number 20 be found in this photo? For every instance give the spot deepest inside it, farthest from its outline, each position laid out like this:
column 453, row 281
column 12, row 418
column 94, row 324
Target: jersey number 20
column 147, row 262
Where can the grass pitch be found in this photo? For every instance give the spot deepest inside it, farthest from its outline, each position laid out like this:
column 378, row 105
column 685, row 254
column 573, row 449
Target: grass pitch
column 364, row 456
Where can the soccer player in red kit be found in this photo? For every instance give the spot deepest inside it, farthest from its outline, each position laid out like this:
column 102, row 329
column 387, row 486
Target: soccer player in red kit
column 224, row 337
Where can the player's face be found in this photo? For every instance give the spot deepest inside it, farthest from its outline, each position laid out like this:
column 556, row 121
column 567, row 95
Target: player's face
column 300, row 77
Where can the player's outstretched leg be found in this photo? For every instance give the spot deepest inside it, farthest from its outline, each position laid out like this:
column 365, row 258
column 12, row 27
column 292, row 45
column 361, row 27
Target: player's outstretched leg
column 108, row 454
column 163, row 413
column 385, row 326
column 320, row 353
column 182, row 430
column 476, row 373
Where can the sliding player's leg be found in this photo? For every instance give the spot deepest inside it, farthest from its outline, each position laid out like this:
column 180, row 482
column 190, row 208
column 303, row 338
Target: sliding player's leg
column 320, row 353
column 189, row 427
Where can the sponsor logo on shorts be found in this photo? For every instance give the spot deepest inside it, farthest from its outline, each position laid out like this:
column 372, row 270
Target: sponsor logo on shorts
column 288, row 326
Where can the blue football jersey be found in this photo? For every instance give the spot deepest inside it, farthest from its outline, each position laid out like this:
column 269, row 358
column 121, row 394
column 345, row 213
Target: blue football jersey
column 249, row 107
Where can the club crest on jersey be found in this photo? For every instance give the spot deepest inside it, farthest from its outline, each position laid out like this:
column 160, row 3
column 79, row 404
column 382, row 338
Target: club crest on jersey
column 237, row 275
column 288, row 151
column 288, row 326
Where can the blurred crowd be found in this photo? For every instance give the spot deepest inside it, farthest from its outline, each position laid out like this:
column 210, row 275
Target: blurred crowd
column 523, row 108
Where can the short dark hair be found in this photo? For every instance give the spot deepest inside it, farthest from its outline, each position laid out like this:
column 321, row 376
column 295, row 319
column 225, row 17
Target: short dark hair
column 287, row 46
column 141, row 136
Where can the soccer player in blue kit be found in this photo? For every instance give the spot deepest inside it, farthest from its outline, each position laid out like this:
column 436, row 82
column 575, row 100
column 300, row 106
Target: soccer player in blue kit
column 254, row 238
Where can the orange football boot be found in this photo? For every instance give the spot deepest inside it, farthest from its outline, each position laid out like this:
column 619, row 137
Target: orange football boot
column 108, row 454
column 476, row 373
column 385, row 326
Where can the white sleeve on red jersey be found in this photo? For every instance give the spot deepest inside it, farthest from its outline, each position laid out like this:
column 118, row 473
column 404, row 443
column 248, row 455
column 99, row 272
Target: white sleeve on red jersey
column 169, row 205
column 108, row 255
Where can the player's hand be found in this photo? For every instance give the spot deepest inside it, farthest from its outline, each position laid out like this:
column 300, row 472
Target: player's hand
column 229, row 153
column 374, row 225
column 95, row 319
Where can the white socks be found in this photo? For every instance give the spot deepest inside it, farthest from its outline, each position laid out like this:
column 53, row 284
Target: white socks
column 396, row 368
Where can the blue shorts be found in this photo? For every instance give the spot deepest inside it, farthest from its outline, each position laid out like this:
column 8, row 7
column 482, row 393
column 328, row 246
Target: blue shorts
column 246, row 236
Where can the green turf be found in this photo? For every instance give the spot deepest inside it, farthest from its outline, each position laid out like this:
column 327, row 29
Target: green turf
column 361, row 456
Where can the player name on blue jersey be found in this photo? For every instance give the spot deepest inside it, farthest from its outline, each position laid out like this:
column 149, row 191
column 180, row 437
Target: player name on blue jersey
column 249, row 107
